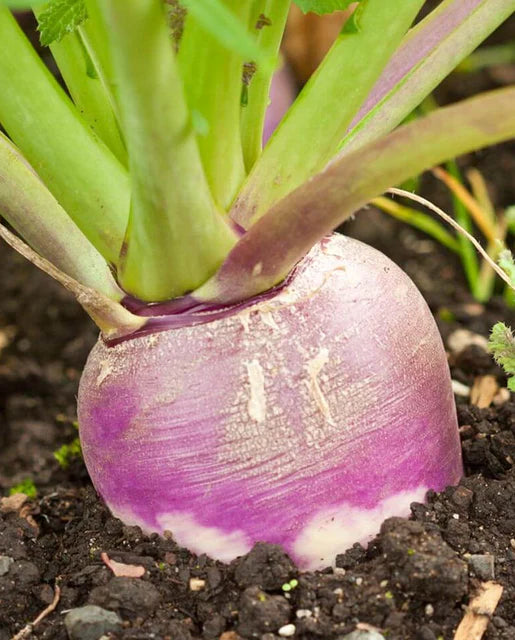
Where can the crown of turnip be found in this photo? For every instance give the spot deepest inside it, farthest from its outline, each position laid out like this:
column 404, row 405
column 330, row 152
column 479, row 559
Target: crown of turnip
column 146, row 192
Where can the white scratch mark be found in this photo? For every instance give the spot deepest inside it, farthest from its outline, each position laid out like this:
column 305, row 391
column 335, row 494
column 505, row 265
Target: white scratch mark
column 105, row 371
column 268, row 319
column 244, row 317
column 314, row 367
column 257, row 399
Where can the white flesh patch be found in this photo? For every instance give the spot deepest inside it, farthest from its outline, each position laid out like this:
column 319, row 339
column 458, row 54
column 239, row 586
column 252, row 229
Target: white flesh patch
column 201, row 539
column 333, row 530
column 257, row 398
column 314, row 367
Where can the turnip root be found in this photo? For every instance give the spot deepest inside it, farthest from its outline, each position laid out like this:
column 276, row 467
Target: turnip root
column 304, row 419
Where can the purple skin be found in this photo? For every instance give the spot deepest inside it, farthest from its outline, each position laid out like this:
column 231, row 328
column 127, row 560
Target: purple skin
column 303, row 420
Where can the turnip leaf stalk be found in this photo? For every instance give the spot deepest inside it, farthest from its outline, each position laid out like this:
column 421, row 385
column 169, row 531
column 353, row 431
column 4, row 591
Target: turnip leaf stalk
column 87, row 90
column 428, row 53
column 213, row 90
column 267, row 20
column 37, row 216
column 342, row 81
column 176, row 237
column 263, row 257
column 247, row 365
column 42, row 121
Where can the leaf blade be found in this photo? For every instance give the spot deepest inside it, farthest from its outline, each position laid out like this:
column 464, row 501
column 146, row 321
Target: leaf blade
column 59, row 18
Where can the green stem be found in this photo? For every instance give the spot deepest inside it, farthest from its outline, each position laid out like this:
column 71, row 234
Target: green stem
column 94, row 36
column 253, row 112
column 278, row 240
column 175, row 239
column 80, row 171
column 212, row 76
column 36, row 215
column 309, row 134
column 87, row 91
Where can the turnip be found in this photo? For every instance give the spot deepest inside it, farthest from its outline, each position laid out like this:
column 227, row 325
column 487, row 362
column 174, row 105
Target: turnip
column 255, row 377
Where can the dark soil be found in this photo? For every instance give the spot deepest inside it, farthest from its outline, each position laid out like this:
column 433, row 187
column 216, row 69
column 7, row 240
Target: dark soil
column 413, row 582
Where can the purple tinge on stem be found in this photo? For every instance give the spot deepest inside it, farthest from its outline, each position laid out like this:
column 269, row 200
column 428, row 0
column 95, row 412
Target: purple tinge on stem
column 282, row 94
column 303, row 420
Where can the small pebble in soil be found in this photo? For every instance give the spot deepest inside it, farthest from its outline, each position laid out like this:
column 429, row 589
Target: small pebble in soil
column 287, row 631
column 362, row 634
column 260, row 612
column 90, row 622
column 482, row 565
column 197, row 584
column 5, row 563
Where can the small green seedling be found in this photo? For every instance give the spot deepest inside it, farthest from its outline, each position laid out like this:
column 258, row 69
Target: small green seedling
column 288, row 586
column 68, row 452
column 26, row 486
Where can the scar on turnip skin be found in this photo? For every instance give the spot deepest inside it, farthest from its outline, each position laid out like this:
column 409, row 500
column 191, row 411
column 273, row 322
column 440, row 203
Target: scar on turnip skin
column 257, row 399
column 105, row 371
column 314, row 367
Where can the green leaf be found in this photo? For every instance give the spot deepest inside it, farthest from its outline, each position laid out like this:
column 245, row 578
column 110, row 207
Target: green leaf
column 68, row 452
column 322, row 6
column 502, row 347
column 59, row 18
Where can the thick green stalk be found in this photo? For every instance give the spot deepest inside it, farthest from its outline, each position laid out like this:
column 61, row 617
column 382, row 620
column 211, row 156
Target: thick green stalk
column 270, row 32
column 278, row 240
column 176, row 239
column 310, row 132
column 428, row 53
column 80, row 171
column 36, row 215
column 212, row 77
column 94, row 36
column 87, row 91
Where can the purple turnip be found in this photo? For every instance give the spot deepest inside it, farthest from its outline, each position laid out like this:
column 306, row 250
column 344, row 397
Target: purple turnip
column 304, row 419
column 251, row 381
